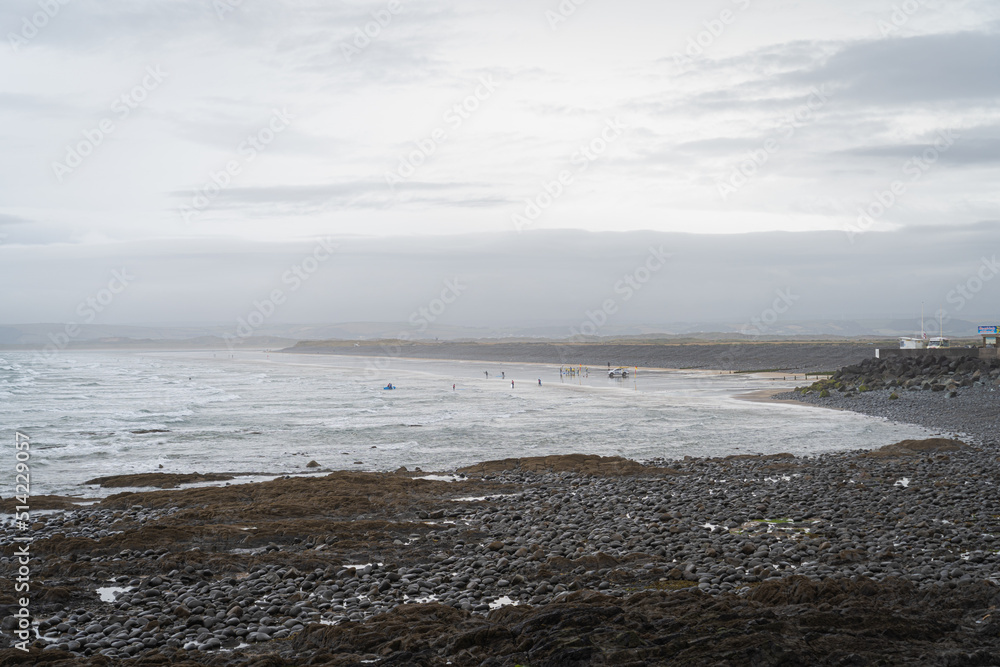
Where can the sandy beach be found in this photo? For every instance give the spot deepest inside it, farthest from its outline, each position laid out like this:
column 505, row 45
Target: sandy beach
column 769, row 396
column 790, row 358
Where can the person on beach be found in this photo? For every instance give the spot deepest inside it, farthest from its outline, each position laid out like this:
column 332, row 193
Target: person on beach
column 539, row 382
column 511, row 384
column 453, row 387
column 487, row 375
column 503, row 375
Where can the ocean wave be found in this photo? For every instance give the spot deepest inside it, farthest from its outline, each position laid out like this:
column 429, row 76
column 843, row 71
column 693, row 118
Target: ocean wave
column 224, row 397
column 229, row 416
column 406, row 444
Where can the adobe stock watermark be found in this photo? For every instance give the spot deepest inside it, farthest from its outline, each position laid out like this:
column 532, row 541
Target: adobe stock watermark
column 294, row 277
column 627, row 287
column 966, row 291
column 365, row 34
column 562, row 12
column 32, row 25
column 915, row 168
column 453, row 118
column 22, row 542
column 900, row 16
column 759, row 325
column 224, row 7
column 247, row 150
column 714, row 29
column 788, row 125
column 581, row 160
column 420, row 319
column 122, row 108
column 88, row 309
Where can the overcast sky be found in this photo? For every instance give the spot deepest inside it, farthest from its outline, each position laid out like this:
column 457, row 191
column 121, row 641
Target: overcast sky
column 207, row 146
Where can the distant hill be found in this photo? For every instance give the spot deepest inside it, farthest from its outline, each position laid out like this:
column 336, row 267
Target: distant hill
column 283, row 335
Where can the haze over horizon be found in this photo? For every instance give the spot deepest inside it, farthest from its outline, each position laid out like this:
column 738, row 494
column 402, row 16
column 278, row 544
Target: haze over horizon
column 659, row 162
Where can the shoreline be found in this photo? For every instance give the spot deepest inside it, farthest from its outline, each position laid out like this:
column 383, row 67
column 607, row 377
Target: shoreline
column 705, row 387
column 770, row 396
column 728, row 356
column 958, row 399
column 546, row 364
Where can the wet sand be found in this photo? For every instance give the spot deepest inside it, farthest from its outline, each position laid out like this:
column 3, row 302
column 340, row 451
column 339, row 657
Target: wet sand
column 793, row 358
column 768, row 396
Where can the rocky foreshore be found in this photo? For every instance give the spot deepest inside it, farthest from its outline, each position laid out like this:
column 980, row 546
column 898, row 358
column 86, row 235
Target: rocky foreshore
column 954, row 396
column 887, row 557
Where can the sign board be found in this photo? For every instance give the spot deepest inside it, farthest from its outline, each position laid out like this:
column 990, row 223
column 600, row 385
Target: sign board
column 988, row 330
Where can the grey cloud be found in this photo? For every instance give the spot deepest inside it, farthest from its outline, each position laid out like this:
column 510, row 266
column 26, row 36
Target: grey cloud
column 22, row 232
column 37, row 105
column 871, row 88
column 86, row 24
column 950, row 69
column 718, row 145
column 353, row 195
column 303, row 37
column 970, row 148
column 515, row 279
column 689, row 130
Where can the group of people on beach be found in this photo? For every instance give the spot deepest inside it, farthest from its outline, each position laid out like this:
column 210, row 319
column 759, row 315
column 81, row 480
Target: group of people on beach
column 454, row 386
column 503, row 376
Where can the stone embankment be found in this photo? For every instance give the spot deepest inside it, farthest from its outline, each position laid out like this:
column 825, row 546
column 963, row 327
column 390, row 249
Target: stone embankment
column 953, row 396
column 928, row 373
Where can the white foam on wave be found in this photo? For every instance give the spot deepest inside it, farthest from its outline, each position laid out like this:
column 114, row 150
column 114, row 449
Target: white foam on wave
column 325, row 407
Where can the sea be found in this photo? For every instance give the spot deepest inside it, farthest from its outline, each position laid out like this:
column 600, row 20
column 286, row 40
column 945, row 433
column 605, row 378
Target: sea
column 90, row 414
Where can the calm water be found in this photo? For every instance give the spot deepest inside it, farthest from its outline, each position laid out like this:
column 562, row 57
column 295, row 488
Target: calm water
column 275, row 412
